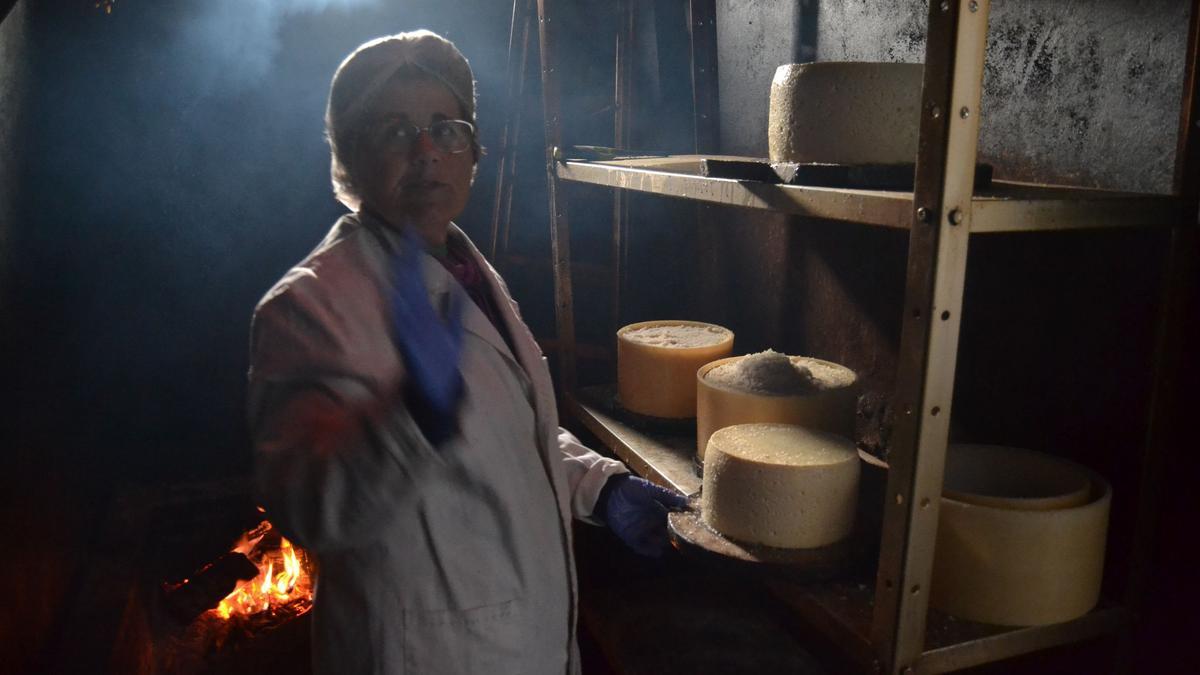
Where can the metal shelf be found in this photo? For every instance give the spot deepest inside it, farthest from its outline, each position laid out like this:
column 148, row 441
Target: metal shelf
column 1004, row 206
column 841, row 610
column 884, row 627
column 663, row 454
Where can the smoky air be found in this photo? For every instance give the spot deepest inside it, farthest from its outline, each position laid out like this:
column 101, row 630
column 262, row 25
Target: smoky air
column 170, row 167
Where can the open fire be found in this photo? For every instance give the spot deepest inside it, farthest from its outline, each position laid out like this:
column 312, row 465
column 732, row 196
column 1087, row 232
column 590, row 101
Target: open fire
column 284, row 585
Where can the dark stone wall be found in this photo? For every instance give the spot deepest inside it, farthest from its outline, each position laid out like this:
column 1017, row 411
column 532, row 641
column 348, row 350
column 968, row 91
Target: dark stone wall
column 14, row 88
column 1076, row 93
column 41, row 519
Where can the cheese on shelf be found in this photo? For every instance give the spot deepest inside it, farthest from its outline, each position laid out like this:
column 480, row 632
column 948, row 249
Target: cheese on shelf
column 780, row 485
column 657, row 363
column 773, row 387
column 1019, row 560
column 845, row 112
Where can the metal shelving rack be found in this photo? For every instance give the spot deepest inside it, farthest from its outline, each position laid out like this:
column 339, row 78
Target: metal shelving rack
column 887, row 626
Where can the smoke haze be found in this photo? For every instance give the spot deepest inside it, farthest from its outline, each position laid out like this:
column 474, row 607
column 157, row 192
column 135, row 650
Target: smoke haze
column 175, row 169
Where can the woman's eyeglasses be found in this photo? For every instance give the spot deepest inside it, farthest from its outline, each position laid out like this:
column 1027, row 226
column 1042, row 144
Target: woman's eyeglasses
column 451, row 136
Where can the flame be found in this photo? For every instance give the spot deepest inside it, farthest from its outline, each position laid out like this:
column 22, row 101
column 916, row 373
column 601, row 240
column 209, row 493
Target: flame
column 283, row 577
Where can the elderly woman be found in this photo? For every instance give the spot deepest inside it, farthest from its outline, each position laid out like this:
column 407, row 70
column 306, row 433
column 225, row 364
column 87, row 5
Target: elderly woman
column 403, row 418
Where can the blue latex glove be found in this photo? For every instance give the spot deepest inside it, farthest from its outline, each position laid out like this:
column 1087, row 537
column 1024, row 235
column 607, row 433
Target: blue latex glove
column 430, row 346
column 636, row 511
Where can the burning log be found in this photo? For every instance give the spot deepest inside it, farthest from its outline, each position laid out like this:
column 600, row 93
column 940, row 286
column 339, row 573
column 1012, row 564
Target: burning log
column 202, row 591
column 283, row 584
column 259, row 587
column 263, row 573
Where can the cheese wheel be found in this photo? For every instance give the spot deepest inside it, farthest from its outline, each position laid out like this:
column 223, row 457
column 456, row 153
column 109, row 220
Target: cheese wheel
column 1013, row 478
column 780, row 485
column 657, row 362
column 1020, row 567
column 845, row 113
column 824, row 399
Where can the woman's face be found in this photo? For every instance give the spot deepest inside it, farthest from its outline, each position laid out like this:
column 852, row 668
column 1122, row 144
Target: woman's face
column 423, row 186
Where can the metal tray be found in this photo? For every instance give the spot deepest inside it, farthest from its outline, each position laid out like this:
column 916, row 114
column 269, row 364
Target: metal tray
column 692, row 536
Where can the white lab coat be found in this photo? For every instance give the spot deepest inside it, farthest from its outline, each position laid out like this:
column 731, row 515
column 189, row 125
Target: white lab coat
column 450, row 559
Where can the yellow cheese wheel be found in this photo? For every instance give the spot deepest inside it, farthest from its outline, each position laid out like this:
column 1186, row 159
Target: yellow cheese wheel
column 780, row 485
column 827, row 405
column 1020, row 567
column 657, row 362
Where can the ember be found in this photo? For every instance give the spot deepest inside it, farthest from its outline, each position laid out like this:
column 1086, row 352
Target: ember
column 284, row 585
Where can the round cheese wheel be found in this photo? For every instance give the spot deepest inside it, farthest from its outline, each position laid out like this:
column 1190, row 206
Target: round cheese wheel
column 1013, row 478
column 845, row 113
column 780, row 485
column 818, row 394
column 1020, row 567
column 657, row 362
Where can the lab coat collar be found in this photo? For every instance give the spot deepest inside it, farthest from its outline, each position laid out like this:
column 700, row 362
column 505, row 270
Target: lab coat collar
column 439, row 283
column 529, row 355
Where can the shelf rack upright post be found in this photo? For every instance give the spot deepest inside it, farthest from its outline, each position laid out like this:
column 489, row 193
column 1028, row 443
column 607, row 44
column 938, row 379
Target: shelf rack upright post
column 937, row 269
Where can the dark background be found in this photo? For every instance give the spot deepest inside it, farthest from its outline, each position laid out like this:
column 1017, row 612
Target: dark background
column 174, row 169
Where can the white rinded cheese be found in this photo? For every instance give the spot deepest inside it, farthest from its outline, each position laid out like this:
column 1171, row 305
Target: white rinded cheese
column 845, row 113
column 780, row 485
column 773, row 387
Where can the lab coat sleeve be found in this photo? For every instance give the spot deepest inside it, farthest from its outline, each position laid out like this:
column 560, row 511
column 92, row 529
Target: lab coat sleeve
column 335, row 457
column 587, row 472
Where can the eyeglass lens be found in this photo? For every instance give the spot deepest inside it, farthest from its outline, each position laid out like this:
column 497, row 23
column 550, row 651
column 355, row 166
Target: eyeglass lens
column 451, row 136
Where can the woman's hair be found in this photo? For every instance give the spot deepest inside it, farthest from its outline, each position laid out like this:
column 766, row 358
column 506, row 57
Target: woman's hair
column 363, row 74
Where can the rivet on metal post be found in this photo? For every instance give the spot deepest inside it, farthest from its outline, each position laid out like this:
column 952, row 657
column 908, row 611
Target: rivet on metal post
column 956, row 217
column 922, row 214
column 935, row 112
column 945, row 5
column 973, row 6
column 556, row 154
column 965, row 112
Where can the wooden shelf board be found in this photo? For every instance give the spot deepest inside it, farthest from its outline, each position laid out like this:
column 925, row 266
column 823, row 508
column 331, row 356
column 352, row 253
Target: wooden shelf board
column 1004, row 206
column 840, row 610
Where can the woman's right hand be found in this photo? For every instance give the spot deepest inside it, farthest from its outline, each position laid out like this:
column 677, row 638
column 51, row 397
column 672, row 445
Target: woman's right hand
column 431, row 347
